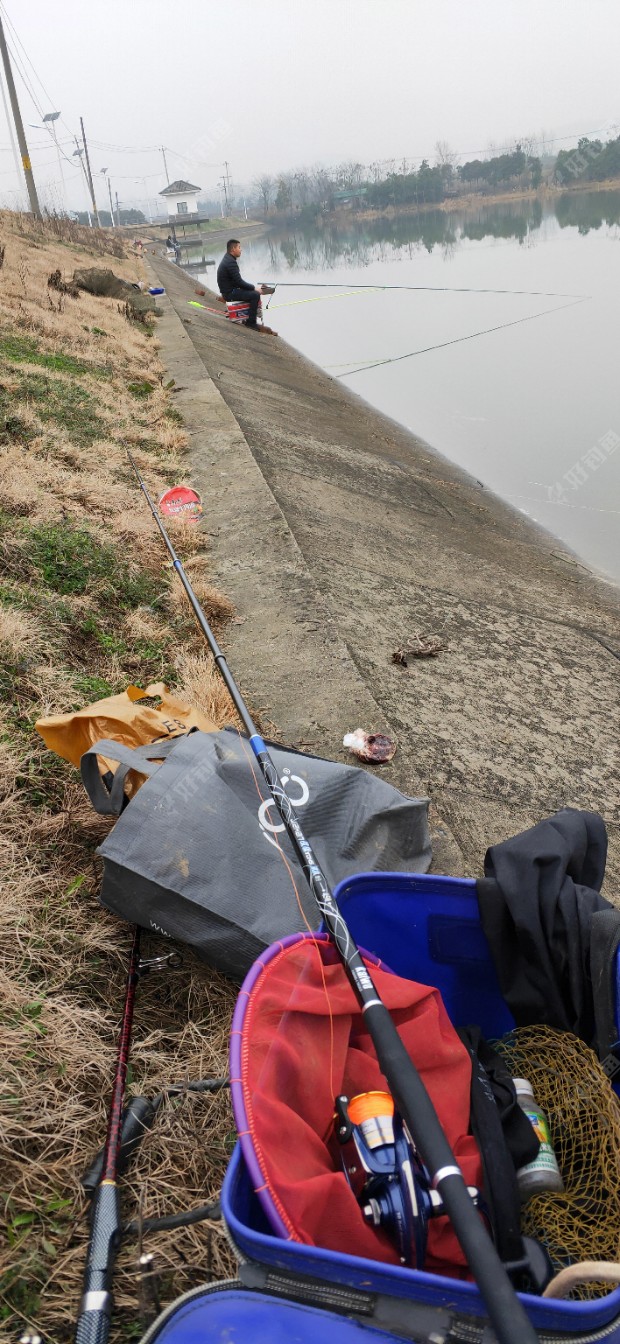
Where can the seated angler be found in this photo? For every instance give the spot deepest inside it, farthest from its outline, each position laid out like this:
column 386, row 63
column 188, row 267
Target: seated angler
column 236, row 290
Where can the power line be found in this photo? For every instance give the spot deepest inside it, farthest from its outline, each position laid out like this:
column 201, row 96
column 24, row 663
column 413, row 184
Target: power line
column 126, row 149
column 18, row 39
column 19, row 127
column 30, row 90
column 19, row 67
column 147, row 149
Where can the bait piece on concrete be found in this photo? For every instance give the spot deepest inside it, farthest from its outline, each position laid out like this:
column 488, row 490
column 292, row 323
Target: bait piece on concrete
column 373, row 747
column 424, row 647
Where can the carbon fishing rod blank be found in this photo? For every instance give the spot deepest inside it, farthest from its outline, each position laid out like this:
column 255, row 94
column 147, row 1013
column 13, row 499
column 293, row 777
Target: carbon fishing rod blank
column 506, row 1312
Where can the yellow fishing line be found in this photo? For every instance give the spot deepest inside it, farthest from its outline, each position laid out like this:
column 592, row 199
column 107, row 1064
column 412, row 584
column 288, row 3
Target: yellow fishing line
column 347, row 363
column 323, row 298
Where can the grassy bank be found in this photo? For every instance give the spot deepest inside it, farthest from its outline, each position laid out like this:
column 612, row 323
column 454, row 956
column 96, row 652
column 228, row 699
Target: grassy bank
column 88, row 605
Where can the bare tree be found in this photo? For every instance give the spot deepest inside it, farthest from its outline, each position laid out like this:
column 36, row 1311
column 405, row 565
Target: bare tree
column 529, row 145
column 284, row 194
column 444, row 156
column 322, row 187
column 265, row 186
column 350, row 174
column 545, row 143
column 302, row 187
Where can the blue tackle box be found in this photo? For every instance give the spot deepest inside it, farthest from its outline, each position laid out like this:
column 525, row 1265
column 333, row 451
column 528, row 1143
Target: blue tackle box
column 426, row 928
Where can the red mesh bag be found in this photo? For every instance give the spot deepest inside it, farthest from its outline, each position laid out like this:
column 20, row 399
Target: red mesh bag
column 298, row 1040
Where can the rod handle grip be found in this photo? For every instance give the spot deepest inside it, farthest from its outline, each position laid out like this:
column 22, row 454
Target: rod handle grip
column 93, row 1327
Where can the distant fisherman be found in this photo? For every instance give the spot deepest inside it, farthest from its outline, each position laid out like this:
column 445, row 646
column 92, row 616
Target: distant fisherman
column 235, row 290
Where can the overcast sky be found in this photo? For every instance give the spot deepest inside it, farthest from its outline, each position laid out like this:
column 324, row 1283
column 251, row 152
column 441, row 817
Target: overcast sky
column 280, row 84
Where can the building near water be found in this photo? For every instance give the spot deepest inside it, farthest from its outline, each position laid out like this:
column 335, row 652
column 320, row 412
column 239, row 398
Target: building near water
column 182, row 200
column 183, row 213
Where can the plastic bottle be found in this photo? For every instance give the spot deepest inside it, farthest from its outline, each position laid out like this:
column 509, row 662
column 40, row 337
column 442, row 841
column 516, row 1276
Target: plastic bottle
column 543, row 1173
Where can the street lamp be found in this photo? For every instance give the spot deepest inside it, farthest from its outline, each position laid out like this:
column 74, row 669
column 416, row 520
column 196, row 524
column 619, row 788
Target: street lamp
column 49, row 124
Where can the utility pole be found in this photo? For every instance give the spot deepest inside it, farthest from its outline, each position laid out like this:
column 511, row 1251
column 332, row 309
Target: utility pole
column 90, row 176
column 19, row 127
column 118, row 213
column 105, row 174
column 16, row 158
column 227, row 186
column 163, row 154
column 77, row 154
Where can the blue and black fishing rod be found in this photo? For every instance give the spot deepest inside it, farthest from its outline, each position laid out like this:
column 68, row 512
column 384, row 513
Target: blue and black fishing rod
column 506, row 1312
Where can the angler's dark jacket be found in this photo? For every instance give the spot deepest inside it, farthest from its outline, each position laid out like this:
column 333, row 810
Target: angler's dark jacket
column 229, row 276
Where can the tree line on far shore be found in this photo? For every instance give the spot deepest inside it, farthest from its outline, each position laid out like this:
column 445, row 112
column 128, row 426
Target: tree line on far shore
column 353, row 184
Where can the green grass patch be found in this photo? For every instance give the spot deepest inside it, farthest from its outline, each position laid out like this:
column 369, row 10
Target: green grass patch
column 24, row 350
column 173, row 415
column 67, row 405
column 56, row 614
column 12, row 597
column 108, row 640
column 141, row 389
column 10, row 677
column 12, row 428
column 21, row 1298
column 70, row 559
column 92, row 688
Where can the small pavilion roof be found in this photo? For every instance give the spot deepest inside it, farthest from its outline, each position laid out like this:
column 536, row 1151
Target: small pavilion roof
column 177, row 188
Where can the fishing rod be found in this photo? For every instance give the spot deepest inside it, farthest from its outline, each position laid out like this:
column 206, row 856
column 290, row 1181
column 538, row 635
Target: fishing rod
column 506, row 1312
column 93, row 1324
column 428, row 289
column 126, row 1128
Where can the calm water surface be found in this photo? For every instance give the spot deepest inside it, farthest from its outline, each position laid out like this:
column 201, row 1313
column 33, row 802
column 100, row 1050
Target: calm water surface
column 533, row 410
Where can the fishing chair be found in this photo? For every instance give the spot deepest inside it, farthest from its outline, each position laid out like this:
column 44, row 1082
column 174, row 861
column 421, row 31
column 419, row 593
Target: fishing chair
column 237, row 311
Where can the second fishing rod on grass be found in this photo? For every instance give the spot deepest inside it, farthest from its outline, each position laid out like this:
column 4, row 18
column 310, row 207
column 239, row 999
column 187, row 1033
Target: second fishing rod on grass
column 505, row 1310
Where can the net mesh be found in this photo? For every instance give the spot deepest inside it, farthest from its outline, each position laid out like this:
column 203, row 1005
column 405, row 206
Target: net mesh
column 572, row 1088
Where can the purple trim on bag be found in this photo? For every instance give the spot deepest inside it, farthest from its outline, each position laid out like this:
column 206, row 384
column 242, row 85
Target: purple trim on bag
column 236, row 1083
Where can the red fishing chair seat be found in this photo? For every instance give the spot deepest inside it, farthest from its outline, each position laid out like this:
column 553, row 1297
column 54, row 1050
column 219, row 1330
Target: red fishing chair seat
column 237, row 311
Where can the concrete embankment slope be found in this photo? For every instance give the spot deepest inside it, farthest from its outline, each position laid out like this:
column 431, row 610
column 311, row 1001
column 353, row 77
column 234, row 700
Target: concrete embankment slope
column 340, row 536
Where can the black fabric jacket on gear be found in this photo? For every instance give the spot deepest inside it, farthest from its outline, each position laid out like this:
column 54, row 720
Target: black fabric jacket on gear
column 229, row 276
column 552, row 936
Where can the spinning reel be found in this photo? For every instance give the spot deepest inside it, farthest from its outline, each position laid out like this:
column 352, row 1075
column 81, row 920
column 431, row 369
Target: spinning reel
column 385, row 1172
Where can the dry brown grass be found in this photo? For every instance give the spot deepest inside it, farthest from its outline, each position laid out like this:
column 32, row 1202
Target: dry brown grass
column 65, row 632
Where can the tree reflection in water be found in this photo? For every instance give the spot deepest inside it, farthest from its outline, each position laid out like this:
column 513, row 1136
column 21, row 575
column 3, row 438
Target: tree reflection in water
column 322, row 244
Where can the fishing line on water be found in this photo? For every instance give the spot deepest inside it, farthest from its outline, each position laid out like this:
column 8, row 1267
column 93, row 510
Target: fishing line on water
column 363, row 367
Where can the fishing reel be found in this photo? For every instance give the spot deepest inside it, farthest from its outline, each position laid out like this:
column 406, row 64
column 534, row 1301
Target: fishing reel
column 385, row 1172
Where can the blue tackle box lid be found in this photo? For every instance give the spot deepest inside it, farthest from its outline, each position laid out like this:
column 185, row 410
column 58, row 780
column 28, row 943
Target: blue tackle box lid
column 427, row 927
column 225, row 1312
